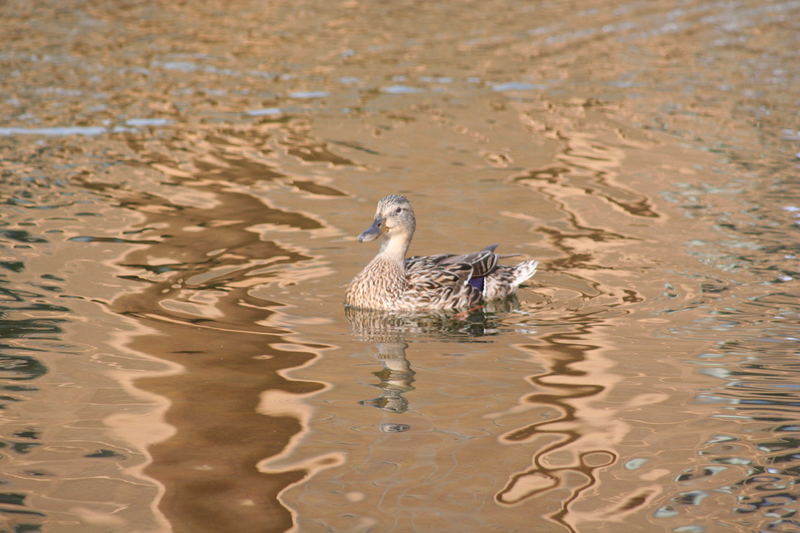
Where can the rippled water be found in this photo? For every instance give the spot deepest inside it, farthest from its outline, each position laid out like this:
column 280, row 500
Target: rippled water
column 181, row 188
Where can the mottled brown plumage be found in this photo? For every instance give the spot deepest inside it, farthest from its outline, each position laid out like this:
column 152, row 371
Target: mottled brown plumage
column 392, row 282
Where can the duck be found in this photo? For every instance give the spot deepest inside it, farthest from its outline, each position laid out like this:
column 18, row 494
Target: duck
column 444, row 282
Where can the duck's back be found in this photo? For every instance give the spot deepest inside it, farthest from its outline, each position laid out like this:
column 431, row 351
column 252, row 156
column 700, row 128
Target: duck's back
column 438, row 282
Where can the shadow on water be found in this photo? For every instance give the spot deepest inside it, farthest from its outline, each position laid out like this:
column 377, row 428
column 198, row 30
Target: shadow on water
column 195, row 301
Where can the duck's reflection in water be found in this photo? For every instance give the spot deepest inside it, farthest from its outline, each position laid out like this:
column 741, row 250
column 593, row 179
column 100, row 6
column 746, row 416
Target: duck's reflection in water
column 396, row 378
column 467, row 326
column 389, row 332
column 474, row 411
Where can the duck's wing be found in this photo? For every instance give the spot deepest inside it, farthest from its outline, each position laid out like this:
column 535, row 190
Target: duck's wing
column 427, row 276
column 481, row 263
column 440, row 285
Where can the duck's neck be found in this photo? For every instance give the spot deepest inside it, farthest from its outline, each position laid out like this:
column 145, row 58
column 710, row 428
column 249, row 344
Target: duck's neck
column 395, row 247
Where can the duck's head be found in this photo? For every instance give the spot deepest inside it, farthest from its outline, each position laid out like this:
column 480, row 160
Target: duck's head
column 394, row 217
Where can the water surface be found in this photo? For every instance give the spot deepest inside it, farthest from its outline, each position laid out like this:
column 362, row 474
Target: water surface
column 181, row 189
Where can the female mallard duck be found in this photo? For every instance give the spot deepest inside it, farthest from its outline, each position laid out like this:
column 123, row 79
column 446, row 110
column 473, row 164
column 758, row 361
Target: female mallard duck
column 392, row 282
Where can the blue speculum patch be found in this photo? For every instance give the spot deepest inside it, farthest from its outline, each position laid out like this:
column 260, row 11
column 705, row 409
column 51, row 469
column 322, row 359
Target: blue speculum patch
column 477, row 283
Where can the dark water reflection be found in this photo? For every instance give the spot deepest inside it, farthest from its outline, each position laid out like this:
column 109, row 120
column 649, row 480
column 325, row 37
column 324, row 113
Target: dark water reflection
column 180, row 187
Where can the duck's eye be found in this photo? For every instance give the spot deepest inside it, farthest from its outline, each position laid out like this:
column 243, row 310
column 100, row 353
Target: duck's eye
column 398, row 210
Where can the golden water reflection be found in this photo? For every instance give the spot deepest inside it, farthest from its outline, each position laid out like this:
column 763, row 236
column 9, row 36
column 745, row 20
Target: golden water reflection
column 180, row 188
column 428, row 424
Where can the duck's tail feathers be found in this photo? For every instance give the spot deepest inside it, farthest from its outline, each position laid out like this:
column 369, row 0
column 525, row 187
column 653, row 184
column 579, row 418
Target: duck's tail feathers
column 524, row 271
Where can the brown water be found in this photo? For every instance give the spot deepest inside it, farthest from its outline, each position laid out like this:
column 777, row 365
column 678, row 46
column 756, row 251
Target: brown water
column 182, row 184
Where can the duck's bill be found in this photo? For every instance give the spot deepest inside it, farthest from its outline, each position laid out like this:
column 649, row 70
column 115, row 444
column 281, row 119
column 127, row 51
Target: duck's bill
column 372, row 233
